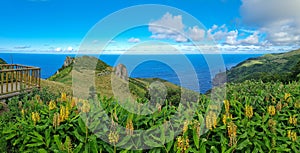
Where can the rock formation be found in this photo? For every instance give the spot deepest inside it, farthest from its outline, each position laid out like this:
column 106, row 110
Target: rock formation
column 121, row 71
column 68, row 61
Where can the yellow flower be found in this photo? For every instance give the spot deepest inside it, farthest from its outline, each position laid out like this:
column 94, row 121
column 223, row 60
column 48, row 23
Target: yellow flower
column 74, row 102
column 23, row 112
column 248, row 111
column 231, row 129
column 271, row 110
column 293, row 120
column 225, row 117
column 182, row 144
column 113, row 137
column 63, row 96
column 52, row 105
column 287, row 97
column 129, row 127
column 35, row 116
column 185, row 126
column 227, row 106
column 62, row 113
column 294, row 136
column 56, row 120
column 211, row 120
column 279, row 106
column 289, row 133
column 85, row 107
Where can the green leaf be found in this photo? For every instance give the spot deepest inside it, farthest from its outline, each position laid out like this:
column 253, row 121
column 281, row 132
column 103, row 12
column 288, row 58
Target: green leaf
column 151, row 143
column 47, row 137
column 93, row 144
column 78, row 136
column 82, row 125
column 42, row 151
column 10, row 136
column 35, row 144
column 214, row 149
column 78, row 148
column 124, row 141
column 57, row 141
column 196, row 138
column 243, row 144
column 38, row 136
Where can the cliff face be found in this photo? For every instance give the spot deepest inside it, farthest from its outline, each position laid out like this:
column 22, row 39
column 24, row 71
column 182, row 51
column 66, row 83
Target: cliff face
column 68, row 61
column 121, row 71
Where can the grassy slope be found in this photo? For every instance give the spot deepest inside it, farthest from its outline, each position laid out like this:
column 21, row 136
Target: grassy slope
column 270, row 65
column 2, row 61
column 137, row 86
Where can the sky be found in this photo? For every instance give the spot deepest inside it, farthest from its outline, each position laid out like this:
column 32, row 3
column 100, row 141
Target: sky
column 229, row 26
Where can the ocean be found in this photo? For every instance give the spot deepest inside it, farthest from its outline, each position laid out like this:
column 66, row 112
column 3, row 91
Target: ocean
column 167, row 67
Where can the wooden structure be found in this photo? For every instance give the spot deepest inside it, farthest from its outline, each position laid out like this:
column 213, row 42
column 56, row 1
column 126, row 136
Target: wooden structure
column 15, row 79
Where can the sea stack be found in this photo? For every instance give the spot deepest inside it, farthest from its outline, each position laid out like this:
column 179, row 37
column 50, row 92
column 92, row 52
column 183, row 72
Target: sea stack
column 121, row 71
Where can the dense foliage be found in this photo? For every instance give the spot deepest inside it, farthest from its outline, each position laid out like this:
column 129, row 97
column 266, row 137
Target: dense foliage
column 283, row 67
column 256, row 117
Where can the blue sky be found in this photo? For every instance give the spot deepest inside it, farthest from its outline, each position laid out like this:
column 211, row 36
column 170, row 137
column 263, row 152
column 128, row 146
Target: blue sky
column 235, row 25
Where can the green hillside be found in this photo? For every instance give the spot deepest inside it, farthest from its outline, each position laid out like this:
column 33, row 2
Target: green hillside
column 2, row 61
column 277, row 67
column 138, row 86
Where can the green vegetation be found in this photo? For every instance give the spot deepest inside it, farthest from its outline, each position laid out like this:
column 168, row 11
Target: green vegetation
column 2, row 61
column 138, row 86
column 256, row 117
column 271, row 67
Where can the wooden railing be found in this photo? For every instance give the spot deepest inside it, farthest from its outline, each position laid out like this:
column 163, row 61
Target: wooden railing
column 16, row 78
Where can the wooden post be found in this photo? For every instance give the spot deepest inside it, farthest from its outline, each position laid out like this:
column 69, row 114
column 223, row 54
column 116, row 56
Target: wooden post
column 2, row 81
column 6, row 82
column 12, row 81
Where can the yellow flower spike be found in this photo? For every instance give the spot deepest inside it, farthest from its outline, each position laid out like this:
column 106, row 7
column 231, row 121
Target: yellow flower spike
column 214, row 120
column 271, row 110
column 85, row 107
column 182, row 143
column 224, row 119
column 287, row 97
column 294, row 136
column 35, row 116
column 63, row 96
column 231, row 129
column 297, row 104
column 185, row 126
column 113, row 137
column 62, row 113
column 227, row 106
column 248, row 111
column 289, row 133
column 52, row 105
column 23, row 112
column 129, row 127
column 67, row 112
column 293, row 120
column 74, row 102
column 279, row 106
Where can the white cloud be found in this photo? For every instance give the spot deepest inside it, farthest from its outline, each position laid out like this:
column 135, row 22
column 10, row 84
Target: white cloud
column 70, row 48
column 231, row 37
column 134, row 40
column 58, row 49
column 168, row 27
column 279, row 19
column 196, row 34
column 252, row 39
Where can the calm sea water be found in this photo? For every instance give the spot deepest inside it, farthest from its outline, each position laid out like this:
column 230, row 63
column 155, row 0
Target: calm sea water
column 167, row 67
